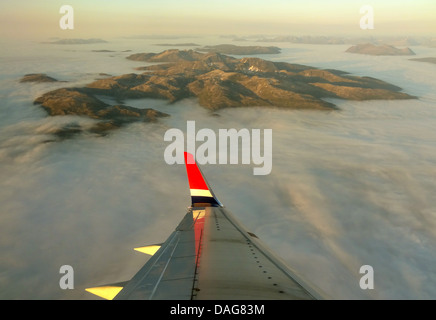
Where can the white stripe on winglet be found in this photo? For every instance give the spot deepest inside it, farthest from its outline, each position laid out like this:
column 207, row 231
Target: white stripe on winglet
column 200, row 193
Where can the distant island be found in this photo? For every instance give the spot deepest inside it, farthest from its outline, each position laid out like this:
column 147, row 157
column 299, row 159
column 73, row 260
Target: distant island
column 333, row 40
column 172, row 55
column 77, row 41
column 176, row 55
column 37, row 77
column 184, row 44
column 305, row 39
column 379, row 50
column 217, row 81
column 103, row 50
column 429, row 60
column 240, row 50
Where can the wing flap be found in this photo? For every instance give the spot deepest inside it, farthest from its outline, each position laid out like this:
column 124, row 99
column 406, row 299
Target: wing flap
column 150, row 250
column 105, row 292
column 108, row 291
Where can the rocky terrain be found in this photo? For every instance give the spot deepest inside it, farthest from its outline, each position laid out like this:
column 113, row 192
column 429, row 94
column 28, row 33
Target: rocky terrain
column 379, row 50
column 217, row 81
column 82, row 102
column 220, row 81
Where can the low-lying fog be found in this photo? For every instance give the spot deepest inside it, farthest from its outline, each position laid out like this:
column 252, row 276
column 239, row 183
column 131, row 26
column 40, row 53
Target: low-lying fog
column 347, row 188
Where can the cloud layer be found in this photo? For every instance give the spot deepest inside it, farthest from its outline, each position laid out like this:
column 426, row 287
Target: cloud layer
column 347, row 188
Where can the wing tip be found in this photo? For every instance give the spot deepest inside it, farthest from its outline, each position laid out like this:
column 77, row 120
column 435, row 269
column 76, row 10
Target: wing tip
column 201, row 194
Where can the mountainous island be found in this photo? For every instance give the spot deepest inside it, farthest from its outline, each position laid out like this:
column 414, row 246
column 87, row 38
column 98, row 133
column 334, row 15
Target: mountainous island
column 305, row 39
column 181, row 44
column 77, row 41
column 37, row 77
column 428, row 60
column 379, row 50
column 240, row 50
column 400, row 41
column 217, row 81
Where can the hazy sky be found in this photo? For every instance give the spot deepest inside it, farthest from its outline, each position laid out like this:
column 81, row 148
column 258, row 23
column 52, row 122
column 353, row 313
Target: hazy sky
column 106, row 18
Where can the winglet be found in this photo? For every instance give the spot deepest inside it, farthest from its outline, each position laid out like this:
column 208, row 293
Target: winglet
column 201, row 194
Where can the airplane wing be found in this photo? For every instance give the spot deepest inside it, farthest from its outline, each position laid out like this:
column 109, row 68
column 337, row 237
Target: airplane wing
column 210, row 256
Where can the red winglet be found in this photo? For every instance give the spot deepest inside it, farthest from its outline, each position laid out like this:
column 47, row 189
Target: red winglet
column 201, row 194
column 196, row 180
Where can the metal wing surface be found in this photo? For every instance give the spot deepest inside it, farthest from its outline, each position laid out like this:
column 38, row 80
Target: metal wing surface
column 210, row 256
